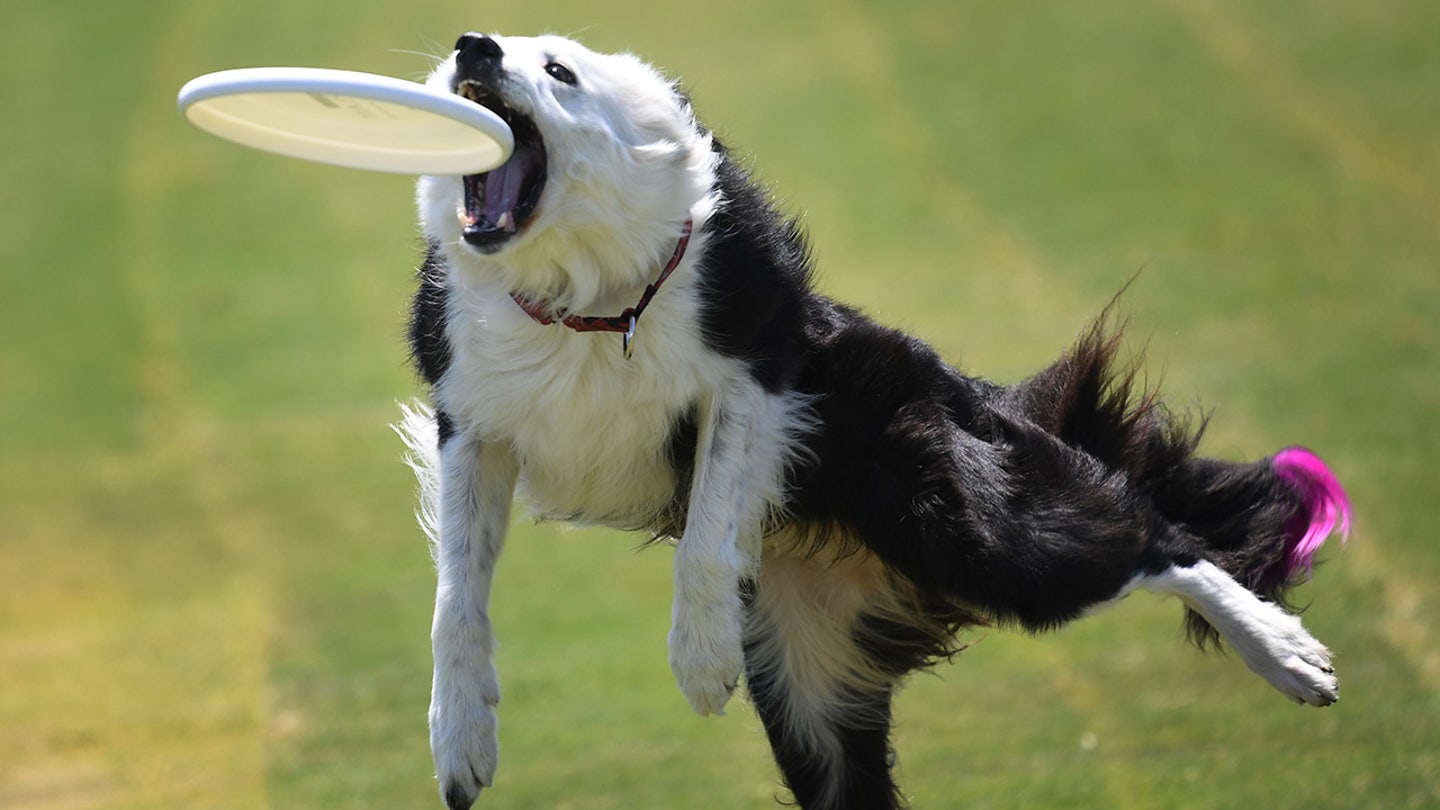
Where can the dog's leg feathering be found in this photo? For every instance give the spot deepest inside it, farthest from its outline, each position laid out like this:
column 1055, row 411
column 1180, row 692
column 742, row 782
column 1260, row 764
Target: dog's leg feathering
column 468, row 510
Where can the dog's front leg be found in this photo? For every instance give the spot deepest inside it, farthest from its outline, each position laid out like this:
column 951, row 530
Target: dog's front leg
column 477, row 485
column 720, row 546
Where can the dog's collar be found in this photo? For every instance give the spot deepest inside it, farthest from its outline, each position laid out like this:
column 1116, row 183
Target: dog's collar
column 625, row 322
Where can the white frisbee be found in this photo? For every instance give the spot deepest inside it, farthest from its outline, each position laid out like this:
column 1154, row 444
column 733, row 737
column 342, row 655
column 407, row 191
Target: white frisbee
column 346, row 118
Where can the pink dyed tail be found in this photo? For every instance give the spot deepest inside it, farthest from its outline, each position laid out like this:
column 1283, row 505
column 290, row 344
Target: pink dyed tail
column 1324, row 508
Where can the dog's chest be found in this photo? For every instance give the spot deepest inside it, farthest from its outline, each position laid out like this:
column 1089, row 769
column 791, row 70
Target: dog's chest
column 593, row 430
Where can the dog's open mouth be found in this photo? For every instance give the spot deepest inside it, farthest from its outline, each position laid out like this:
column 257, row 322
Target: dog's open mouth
column 502, row 201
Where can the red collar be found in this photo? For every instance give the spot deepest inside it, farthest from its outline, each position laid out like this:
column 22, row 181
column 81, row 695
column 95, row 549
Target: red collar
column 625, row 322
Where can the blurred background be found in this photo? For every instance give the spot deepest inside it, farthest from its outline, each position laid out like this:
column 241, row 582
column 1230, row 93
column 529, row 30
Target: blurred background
column 212, row 593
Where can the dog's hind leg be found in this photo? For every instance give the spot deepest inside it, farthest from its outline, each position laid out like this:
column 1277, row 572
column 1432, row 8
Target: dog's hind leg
column 820, row 687
column 468, row 486
column 1049, row 534
column 1270, row 641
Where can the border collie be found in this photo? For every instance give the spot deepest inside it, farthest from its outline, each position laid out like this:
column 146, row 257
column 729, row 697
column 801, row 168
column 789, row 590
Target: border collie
column 618, row 327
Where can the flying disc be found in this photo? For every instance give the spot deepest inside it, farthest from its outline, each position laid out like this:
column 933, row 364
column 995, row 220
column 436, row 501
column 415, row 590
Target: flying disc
column 347, row 118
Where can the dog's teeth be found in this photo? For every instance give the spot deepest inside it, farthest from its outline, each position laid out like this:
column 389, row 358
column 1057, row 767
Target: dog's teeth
column 505, row 222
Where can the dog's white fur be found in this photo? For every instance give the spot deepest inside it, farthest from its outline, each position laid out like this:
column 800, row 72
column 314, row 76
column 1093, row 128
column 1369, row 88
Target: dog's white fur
column 580, row 432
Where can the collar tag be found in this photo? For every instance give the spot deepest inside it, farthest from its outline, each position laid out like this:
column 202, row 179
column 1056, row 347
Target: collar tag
column 627, row 338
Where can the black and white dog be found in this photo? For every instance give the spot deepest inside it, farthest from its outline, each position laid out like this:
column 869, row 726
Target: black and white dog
column 619, row 326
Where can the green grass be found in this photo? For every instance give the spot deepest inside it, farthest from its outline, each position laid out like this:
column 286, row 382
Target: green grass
column 211, row 590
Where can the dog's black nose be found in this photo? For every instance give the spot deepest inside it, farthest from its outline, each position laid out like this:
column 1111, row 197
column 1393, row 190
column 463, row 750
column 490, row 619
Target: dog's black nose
column 474, row 50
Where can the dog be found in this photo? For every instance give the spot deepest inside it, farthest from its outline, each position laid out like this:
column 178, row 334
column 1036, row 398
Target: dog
column 618, row 326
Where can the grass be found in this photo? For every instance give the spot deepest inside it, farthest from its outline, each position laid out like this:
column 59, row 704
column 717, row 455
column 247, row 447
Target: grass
column 211, row 592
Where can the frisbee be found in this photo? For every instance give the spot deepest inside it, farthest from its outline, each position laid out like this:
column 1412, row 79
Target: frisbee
column 347, row 118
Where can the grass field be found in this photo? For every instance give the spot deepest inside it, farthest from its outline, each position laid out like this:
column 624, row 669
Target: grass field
column 211, row 591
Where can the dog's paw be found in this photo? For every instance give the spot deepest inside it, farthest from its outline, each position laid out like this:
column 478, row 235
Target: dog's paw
column 1304, row 673
column 707, row 662
column 459, row 796
column 465, row 741
column 1282, row 652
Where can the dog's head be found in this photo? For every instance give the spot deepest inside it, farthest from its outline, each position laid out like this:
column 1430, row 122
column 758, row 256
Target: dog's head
column 608, row 160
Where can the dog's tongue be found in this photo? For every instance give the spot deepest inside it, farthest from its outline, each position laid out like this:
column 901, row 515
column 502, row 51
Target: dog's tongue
column 502, row 191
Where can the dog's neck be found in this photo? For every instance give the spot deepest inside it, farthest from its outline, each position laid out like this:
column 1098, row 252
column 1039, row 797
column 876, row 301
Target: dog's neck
column 626, row 321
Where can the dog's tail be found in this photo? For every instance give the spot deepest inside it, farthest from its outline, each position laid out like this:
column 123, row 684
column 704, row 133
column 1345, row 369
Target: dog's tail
column 418, row 429
column 1262, row 522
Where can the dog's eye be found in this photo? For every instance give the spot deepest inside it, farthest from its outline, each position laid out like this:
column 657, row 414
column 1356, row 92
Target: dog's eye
column 560, row 73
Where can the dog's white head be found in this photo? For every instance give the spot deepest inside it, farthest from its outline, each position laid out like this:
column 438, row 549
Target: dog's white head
column 608, row 162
